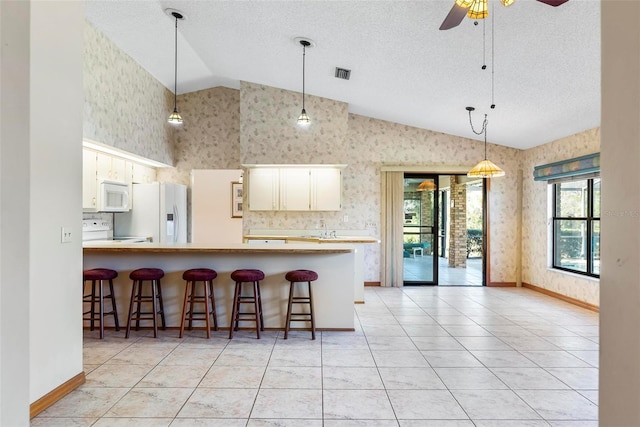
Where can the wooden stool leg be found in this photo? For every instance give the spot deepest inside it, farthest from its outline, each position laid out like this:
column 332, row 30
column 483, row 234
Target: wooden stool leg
column 184, row 308
column 159, row 289
column 93, row 304
column 113, row 305
column 191, row 303
column 234, row 311
column 207, row 313
column 154, row 301
column 289, row 306
column 259, row 297
column 213, row 306
column 256, row 303
column 139, row 303
column 313, row 320
column 101, row 306
column 131, row 301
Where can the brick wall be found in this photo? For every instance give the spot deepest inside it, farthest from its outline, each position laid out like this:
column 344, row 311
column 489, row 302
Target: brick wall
column 458, row 224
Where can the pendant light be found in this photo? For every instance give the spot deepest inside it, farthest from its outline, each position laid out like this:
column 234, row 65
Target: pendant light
column 303, row 119
column 175, row 118
column 486, row 168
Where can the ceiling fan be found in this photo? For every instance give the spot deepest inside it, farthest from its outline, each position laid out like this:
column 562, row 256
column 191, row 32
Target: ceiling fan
column 477, row 9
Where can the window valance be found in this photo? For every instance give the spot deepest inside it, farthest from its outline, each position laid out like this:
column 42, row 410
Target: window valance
column 566, row 168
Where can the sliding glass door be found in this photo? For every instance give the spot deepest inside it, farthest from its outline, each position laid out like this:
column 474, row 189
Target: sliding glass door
column 420, row 228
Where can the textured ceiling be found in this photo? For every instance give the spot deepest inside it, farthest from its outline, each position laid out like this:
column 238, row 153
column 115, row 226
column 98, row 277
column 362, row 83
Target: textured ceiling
column 546, row 60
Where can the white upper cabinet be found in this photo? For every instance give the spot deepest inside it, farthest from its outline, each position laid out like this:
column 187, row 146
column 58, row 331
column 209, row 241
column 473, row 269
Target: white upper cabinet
column 143, row 174
column 326, row 185
column 264, row 189
column 89, row 181
column 295, row 188
column 111, row 168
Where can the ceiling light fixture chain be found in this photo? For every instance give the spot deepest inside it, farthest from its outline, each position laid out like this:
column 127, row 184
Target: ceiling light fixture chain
column 175, row 118
column 304, row 119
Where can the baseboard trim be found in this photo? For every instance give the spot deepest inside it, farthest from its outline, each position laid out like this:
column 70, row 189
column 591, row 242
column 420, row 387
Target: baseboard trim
column 501, row 285
column 372, row 283
column 564, row 298
column 56, row 394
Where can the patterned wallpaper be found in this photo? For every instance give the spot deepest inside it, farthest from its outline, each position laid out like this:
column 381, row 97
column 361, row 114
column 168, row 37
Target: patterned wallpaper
column 535, row 240
column 124, row 106
column 209, row 137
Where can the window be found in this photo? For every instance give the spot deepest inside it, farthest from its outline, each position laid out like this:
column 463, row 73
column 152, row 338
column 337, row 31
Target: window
column 576, row 226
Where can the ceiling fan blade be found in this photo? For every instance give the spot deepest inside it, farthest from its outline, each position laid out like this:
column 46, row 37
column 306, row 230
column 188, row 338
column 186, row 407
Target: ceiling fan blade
column 554, row 3
column 454, row 18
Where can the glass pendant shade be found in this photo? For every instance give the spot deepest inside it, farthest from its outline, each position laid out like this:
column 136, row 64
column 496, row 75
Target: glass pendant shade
column 175, row 118
column 304, row 119
column 485, row 169
column 427, row 185
column 478, row 10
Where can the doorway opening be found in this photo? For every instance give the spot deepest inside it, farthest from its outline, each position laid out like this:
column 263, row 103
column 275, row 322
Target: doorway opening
column 443, row 230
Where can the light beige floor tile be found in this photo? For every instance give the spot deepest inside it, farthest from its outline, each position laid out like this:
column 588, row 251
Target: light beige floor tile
column 233, row 377
column 284, row 423
column 117, row 375
column 467, row 331
column 503, row 359
column 529, row 379
column 292, row 377
column 219, row 403
column 150, row 402
column 209, row 422
column 384, row 330
column 288, row 403
column 351, row 378
column 86, row 402
column 510, row 423
column 410, row 379
column 425, row 331
column 391, row 343
column 577, row 378
column 360, row 423
column 174, row 376
column 402, row 359
column 483, row 343
column 591, row 357
column 347, row 358
column 192, row 356
column 425, row 404
column 560, row 404
column 62, row 422
column 293, row 356
column 573, row 343
column 133, row 422
column 89, row 368
column 422, row 319
column 555, row 359
column 344, row 341
column 494, row 405
column 592, row 395
column 140, row 355
column 357, row 404
column 469, row 379
column 437, row 343
column 243, row 357
column 436, row 423
column 451, row 359
column 529, row 343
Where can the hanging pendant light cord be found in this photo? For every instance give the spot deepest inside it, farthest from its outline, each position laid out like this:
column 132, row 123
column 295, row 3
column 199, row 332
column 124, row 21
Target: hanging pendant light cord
column 304, row 53
column 175, row 68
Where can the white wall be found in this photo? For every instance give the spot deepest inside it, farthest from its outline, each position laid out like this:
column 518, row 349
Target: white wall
column 14, row 213
column 211, row 222
column 55, row 125
column 620, row 278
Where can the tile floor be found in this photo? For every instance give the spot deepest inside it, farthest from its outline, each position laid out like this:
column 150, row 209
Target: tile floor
column 427, row 356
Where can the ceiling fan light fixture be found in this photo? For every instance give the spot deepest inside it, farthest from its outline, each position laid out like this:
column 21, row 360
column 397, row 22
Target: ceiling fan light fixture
column 478, row 9
column 464, row 3
column 507, row 2
column 175, row 118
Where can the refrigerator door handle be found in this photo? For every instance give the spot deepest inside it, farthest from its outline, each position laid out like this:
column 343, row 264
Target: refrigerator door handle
column 176, row 228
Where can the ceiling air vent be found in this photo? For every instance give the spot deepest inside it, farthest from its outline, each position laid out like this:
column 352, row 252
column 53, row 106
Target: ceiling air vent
column 343, row 73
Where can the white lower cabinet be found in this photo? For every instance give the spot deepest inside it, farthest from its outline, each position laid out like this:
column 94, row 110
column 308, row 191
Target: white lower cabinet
column 295, row 188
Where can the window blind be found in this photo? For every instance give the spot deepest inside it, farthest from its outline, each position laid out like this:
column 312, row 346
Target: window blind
column 577, row 166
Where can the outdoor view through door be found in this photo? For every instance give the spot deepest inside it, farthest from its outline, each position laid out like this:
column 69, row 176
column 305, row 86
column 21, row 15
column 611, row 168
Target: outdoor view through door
column 442, row 230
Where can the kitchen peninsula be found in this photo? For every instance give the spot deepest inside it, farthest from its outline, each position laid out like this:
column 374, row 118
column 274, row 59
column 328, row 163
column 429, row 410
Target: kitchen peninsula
column 333, row 292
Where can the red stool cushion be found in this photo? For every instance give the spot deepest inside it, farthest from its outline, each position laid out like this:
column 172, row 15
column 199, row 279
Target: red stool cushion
column 301, row 276
column 247, row 275
column 99, row 274
column 199, row 274
column 146, row 274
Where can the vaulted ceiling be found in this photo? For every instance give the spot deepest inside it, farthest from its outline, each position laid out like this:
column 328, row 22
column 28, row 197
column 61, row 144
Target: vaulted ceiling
column 544, row 61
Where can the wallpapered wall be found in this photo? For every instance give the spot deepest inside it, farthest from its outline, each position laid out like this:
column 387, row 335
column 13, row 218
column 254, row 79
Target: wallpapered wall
column 535, row 220
column 124, row 106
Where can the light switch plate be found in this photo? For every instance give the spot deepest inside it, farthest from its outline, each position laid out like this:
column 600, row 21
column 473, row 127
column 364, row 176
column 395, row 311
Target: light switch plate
column 65, row 234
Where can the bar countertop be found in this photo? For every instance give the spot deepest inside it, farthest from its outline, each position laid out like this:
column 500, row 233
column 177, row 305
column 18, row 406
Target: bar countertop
column 239, row 248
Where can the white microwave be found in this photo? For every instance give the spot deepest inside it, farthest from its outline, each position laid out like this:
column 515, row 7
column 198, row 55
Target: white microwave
column 113, row 197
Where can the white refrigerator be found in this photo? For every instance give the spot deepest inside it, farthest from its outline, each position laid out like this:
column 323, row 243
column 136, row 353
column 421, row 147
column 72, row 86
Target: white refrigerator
column 158, row 211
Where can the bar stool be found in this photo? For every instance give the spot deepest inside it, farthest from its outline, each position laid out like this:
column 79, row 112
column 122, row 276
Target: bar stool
column 300, row 276
column 240, row 277
column 153, row 275
column 206, row 276
column 97, row 276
